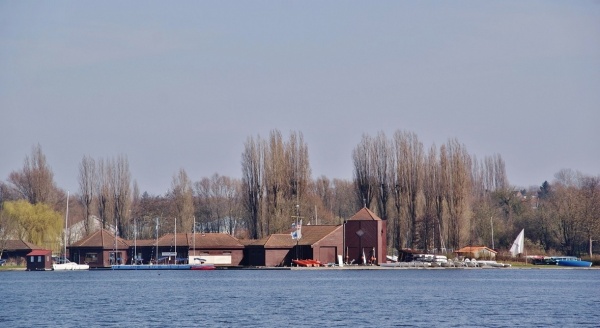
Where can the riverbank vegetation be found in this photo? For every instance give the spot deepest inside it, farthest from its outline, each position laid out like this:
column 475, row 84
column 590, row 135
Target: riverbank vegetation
column 434, row 198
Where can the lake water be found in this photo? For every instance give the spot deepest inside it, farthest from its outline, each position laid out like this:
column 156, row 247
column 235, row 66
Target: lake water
column 310, row 298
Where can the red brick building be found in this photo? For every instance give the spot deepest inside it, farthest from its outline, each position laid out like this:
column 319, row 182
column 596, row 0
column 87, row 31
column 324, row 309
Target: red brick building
column 365, row 238
column 319, row 242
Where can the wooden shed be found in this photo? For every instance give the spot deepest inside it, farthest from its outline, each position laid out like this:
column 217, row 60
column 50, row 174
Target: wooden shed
column 39, row 260
column 15, row 251
column 365, row 238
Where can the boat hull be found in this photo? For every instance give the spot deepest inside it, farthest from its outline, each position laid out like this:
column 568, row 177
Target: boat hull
column 574, row 263
column 70, row 267
column 203, row 267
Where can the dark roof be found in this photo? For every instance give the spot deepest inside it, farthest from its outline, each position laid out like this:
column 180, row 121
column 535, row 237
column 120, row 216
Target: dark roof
column 37, row 252
column 311, row 234
column 200, row 240
column 473, row 249
column 364, row 214
column 102, row 238
column 19, row 245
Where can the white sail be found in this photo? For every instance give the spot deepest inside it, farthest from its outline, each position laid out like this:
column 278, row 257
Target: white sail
column 518, row 244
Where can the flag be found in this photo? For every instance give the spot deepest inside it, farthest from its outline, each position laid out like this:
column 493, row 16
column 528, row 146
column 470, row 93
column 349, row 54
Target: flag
column 299, row 230
column 296, row 230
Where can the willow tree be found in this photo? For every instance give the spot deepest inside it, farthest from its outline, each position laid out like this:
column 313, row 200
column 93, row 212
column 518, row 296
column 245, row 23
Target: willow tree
column 36, row 223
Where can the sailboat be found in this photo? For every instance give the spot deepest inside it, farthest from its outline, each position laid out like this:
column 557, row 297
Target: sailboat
column 518, row 245
column 65, row 264
column 155, row 266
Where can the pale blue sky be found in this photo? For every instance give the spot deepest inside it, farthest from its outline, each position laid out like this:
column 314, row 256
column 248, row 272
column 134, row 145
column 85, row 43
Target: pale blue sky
column 183, row 84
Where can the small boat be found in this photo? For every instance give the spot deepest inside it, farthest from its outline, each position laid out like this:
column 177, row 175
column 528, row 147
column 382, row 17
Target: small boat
column 63, row 264
column 204, row 266
column 571, row 261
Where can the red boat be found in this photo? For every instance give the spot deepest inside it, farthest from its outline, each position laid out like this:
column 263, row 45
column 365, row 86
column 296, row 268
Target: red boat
column 204, row 266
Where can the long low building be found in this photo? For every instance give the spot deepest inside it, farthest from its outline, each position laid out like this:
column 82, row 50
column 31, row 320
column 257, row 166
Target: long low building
column 361, row 240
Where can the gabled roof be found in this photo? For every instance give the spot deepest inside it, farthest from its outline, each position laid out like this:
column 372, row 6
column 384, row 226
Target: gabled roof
column 102, row 238
column 364, row 214
column 474, row 249
column 13, row 245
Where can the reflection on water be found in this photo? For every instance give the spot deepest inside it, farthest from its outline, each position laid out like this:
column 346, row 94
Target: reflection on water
column 364, row 298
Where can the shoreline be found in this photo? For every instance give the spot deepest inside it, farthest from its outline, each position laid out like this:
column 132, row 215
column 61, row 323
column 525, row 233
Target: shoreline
column 359, row 267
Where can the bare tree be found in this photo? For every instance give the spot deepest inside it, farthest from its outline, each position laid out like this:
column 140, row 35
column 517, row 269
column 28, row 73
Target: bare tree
column 87, row 187
column 382, row 158
column 344, row 199
column 182, row 201
column 252, row 185
column 590, row 207
column 275, row 166
column 35, row 182
column 364, row 178
column 432, row 197
column 121, row 190
column 104, row 194
column 457, row 187
column 410, row 175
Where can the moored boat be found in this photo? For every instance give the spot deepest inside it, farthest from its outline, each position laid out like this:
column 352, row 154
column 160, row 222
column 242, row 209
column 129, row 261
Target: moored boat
column 67, row 265
column 63, row 264
column 571, row 261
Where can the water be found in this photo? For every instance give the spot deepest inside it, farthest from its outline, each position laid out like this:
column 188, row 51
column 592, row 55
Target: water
column 311, row 298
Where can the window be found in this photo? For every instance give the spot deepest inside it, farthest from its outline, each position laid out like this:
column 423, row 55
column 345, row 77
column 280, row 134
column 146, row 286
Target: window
column 32, row 259
column 39, row 258
column 91, row 257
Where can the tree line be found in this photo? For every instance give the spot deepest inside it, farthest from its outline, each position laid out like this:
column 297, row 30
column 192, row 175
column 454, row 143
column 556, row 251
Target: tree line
column 434, row 199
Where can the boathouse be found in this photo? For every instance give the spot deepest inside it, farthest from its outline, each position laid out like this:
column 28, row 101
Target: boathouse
column 15, row 251
column 99, row 250
column 39, row 260
column 215, row 248
column 365, row 238
column 322, row 243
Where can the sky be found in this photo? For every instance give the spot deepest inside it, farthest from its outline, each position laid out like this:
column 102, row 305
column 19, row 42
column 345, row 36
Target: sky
column 185, row 84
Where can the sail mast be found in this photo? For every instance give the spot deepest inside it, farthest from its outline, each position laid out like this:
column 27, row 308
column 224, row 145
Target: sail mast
column 66, row 225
